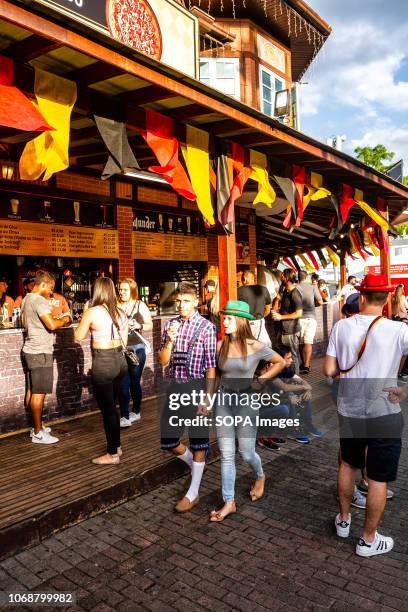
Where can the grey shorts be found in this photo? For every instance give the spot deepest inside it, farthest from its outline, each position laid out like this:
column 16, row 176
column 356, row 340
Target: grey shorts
column 40, row 372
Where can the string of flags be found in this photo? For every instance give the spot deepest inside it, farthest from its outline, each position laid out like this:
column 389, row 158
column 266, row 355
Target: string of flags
column 213, row 182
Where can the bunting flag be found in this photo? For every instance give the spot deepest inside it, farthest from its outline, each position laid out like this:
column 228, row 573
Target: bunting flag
column 159, row 136
column 120, row 155
column 295, row 263
column 198, row 165
column 322, row 258
column 288, row 262
column 266, row 193
column 225, row 212
column 383, row 236
column 315, row 190
column 240, row 171
column 313, row 259
column 48, row 152
column 299, row 178
column 371, row 244
column 16, row 110
column 347, row 201
column 355, row 243
column 289, row 191
column 370, row 212
column 306, row 263
column 333, row 257
column 335, row 204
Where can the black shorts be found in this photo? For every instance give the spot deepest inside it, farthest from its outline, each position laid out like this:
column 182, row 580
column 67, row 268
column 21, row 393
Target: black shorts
column 40, row 372
column 171, row 433
column 362, row 447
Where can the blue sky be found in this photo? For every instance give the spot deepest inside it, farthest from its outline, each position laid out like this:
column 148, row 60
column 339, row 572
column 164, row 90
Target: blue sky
column 358, row 84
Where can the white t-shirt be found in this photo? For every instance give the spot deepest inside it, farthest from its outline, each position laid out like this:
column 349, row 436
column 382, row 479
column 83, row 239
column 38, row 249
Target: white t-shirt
column 347, row 291
column 362, row 396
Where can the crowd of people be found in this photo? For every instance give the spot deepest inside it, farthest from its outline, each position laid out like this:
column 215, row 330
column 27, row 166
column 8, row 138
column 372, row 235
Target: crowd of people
column 237, row 364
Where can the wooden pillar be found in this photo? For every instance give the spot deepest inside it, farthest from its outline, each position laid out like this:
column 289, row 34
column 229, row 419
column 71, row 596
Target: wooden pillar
column 227, row 268
column 343, row 269
column 385, row 264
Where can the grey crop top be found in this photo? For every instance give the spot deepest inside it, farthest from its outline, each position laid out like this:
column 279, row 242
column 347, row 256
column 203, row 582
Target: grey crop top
column 241, row 368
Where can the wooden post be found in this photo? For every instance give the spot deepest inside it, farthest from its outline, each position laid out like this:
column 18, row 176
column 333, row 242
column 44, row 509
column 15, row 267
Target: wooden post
column 343, row 270
column 227, row 268
column 385, row 264
column 385, row 261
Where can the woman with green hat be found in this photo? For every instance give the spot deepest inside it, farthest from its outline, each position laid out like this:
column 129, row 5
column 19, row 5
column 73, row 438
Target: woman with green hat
column 239, row 355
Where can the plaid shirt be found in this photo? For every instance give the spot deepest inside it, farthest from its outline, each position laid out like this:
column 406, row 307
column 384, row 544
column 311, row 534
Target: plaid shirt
column 204, row 352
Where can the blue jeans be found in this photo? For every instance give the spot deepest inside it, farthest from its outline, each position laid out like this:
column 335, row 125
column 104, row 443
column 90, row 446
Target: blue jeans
column 130, row 384
column 246, row 435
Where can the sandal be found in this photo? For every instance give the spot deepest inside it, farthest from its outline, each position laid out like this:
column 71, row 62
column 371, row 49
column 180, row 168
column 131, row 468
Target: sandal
column 255, row 496
column 217, row 516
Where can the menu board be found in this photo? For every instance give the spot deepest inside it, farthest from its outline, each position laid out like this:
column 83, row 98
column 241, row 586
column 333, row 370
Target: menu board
column 24, row 238
column 147, row 245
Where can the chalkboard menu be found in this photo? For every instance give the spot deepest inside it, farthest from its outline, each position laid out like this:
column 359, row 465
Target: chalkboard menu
column 24, row 238
column 171, row 247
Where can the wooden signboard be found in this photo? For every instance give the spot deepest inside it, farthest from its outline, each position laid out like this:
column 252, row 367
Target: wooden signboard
column 171, row 247
column 24, row 238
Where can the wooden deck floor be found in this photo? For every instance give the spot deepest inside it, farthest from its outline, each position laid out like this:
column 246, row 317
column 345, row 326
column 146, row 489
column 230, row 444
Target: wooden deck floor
column 46, row 488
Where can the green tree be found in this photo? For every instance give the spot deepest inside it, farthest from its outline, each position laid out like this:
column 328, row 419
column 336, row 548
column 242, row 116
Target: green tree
column 375, row 156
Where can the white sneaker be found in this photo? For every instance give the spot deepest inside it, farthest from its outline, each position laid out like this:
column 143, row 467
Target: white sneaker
column 43, row 438
column 46, row 429
column 358, row 500
column 380, row 546
column 133, row 417
column 125, row 422
column 342, row 527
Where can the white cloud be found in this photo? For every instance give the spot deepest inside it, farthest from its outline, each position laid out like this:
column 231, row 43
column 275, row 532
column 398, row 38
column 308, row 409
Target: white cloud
column 394, row 138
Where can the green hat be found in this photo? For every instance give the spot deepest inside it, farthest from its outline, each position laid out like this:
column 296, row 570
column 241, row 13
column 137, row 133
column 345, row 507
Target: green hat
column 236, row 308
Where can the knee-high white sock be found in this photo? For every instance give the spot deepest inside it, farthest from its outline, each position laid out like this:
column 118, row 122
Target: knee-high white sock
column 196, row 476
column 187, row 457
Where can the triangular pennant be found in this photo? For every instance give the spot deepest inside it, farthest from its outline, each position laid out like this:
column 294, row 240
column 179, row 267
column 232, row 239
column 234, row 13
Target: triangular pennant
column 322, row 258
column 159, row 136
column 16, row 110
column 333, row 257
column 225, row 213
column 120, row 155
column 306, row 263
column 266, row 193
column 315, row 190
column 347, row 201
column 48, row 152
column 299, row 178
column 198, row 165
column 313, row 259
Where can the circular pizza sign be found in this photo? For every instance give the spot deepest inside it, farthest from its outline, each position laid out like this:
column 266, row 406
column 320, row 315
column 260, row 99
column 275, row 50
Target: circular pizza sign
column 133, row 23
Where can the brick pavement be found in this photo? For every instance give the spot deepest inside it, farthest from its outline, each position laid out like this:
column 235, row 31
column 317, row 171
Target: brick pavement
column 277, row 554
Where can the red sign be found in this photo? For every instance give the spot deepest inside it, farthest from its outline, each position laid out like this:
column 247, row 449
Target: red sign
column 133, row 23
column 396, row 269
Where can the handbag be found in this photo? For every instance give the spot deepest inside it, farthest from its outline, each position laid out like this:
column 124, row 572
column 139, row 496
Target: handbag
column 131, row 358
column 363, row 345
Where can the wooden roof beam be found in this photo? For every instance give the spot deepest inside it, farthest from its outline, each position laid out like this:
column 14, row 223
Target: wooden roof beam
column 30, row 48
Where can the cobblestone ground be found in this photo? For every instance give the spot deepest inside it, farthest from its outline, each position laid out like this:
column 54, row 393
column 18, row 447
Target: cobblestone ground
column 277, row 554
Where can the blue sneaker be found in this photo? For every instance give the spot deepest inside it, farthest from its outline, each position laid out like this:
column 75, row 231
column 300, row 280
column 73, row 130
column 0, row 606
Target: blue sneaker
column 303, row 440
column 316, row 433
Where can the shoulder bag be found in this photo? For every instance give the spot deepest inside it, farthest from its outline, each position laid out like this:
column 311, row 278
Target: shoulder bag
column 131, row 357
column 363, row 345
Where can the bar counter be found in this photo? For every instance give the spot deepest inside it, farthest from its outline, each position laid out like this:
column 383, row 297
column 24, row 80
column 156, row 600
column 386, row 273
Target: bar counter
column 72, row 393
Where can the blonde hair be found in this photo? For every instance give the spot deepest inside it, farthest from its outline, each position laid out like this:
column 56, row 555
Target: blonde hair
column 134, row 289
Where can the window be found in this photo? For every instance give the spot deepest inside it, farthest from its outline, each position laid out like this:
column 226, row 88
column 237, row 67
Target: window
column 222, row 74
column 269, row 85
column 398, row 251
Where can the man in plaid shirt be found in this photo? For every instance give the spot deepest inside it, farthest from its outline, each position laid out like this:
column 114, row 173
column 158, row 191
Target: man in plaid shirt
column 188, row 347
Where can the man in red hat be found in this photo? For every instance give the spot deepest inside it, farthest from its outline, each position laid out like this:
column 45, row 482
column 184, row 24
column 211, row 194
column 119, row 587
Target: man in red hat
column 365, row 350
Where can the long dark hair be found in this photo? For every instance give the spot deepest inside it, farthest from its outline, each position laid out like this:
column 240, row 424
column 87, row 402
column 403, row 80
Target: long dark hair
column 104, row 294
column 244, row 333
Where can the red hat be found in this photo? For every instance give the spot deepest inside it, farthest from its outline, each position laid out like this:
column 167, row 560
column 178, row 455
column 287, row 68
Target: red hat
column 375, row 283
